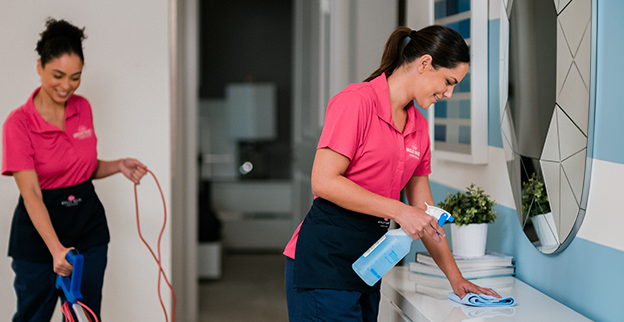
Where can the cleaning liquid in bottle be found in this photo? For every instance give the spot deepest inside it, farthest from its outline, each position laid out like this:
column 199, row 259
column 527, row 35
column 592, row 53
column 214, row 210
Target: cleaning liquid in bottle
column 390, row 249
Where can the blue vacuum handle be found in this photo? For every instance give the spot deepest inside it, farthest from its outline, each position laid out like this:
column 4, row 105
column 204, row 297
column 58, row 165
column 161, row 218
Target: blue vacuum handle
column 71, row 286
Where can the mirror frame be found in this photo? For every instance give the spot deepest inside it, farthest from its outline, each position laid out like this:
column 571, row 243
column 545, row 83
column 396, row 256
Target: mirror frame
column 510, row 139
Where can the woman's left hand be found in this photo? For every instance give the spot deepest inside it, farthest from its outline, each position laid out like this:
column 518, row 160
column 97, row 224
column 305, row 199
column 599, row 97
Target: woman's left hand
column 463, row 287
column 132, row 169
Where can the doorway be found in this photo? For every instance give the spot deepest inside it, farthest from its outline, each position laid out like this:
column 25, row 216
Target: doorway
column 309, row 50
column 245, row 213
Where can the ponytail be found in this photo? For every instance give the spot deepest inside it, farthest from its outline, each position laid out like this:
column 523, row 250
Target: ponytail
column 445, row 45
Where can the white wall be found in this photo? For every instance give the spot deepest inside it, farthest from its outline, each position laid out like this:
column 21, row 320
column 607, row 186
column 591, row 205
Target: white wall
column 127, row 80
column 419, row 13
column 372, row 24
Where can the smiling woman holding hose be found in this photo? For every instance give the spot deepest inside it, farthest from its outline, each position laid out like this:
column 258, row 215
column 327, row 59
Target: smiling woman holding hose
column 374, row 144
column 49, row 147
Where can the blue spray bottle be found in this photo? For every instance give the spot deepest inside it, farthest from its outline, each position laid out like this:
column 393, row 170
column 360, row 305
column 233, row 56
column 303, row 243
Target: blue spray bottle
column 390, row 249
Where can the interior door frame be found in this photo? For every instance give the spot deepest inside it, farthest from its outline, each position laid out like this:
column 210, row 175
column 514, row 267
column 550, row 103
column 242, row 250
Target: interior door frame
column 335, row 43
column 184, row 64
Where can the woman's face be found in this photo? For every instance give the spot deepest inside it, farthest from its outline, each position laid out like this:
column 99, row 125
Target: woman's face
column 436, row 84
column 60, row 77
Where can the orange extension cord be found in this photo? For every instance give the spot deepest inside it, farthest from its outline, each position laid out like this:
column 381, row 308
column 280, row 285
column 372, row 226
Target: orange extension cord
column 66, row 310
column 157, row 258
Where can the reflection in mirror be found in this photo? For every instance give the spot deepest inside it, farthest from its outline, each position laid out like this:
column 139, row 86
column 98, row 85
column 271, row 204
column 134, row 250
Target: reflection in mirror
column 545, row 122
column 536, row 208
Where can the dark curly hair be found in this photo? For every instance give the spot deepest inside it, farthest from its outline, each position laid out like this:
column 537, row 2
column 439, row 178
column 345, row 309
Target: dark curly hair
column 60, row 38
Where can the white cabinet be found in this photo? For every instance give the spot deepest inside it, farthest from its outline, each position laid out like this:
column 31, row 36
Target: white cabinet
column 255, row 214
column 401, row 302
column 389, row 312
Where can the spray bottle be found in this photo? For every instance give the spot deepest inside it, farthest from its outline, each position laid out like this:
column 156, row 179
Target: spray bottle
column 390, row 249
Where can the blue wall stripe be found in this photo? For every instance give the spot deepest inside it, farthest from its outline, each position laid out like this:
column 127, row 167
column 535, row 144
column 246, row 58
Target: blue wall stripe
column 609, row 107
column 495, row 137
column 586, row 277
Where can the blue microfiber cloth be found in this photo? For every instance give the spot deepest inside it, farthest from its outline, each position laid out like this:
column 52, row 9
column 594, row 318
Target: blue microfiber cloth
column 482, row 300
column 474, row 312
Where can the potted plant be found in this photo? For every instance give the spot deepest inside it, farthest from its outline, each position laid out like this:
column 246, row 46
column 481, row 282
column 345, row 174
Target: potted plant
column 473, row 211
column 536, row 205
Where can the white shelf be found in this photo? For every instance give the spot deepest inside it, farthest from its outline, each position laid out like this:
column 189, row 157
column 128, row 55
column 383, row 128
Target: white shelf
column 401, row 302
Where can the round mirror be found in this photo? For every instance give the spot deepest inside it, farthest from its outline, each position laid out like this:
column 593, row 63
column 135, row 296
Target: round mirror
column 547, row 120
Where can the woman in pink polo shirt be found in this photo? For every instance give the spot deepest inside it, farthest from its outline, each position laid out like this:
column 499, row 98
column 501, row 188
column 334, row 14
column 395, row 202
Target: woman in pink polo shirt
column 373, row 145
column 49, row 147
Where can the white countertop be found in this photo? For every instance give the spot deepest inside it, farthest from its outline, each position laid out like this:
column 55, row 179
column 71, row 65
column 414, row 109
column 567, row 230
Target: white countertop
column 430, row 305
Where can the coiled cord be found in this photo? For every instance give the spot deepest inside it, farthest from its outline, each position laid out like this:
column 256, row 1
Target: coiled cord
column 157, row 258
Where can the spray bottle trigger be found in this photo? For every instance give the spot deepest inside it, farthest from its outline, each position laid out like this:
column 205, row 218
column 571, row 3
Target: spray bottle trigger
column 440, row 214
column 444, row 218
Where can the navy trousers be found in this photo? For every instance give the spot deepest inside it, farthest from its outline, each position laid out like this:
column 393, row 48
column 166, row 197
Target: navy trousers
column 36, row 292
column 316, row 305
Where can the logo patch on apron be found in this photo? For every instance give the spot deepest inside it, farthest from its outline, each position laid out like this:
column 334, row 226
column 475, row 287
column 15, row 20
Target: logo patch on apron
column 71, row 201
column 384, row 223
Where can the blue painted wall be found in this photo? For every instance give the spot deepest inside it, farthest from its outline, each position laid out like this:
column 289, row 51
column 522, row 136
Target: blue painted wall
column 587, row 277
column 610, row 109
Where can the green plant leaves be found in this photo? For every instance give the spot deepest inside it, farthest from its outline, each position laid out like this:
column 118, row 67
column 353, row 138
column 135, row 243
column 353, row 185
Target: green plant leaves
column 470, row 207
column 534, row 197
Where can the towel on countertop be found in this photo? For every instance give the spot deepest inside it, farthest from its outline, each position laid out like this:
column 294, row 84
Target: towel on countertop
column 474, row 312
column 482, row 300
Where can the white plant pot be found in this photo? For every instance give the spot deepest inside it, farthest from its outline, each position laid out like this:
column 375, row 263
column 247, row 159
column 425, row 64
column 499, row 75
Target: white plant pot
column 469, row 240
column 545, row 228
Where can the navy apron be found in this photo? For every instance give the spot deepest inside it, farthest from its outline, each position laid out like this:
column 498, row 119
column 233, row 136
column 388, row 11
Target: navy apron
column 77, row 216
column 330, row 239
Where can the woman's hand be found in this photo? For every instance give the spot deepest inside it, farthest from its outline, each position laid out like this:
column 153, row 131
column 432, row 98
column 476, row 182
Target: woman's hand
column 132, row 169
column 329, row 182
column 28, row 185
column 60, row 264
column 416, row 223
column 461, row 287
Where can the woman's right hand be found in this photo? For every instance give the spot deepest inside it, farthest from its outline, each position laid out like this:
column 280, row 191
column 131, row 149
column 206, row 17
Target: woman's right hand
column 329, row 182
column 28, row 185
column 60, row 263
column 416, row 223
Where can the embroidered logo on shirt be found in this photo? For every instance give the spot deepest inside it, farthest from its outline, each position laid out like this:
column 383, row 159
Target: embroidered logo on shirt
column 71, row 201
column 83, row 133
column 413, row 151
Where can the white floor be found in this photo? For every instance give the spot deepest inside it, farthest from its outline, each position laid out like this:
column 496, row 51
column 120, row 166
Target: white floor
column 251, row 289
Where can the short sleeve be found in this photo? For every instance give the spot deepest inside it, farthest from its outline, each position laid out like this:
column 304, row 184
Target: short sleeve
column 17, row 150
column 346, row 119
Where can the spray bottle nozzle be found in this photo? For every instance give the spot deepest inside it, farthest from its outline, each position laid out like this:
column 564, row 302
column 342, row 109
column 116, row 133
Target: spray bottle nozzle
column 440, row 214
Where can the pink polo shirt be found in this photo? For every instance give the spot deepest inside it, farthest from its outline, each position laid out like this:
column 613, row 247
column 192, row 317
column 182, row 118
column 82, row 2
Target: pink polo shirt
column 60, row 158
column 359, row 125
